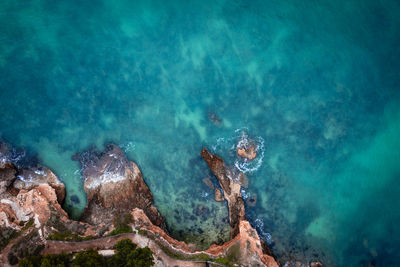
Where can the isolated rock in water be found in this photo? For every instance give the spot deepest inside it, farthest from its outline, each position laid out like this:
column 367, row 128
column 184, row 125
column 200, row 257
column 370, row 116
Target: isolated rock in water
column 218, row 196
column 29, row 178
column 113, row 186
column 214, row 118
column 252, row 201
column 246, row 151
column 246, row 148
column 231, row 189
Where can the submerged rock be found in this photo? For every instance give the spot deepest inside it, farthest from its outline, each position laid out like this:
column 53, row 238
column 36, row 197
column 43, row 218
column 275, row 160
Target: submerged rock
column 201, row 210
column 252, row 201
column 113, row 186
column 248, row 247
column 214, row 118
column 207, row 181
column 75, row 199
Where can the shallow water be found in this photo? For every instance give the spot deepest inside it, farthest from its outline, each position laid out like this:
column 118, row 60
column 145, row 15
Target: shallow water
column 316, row 82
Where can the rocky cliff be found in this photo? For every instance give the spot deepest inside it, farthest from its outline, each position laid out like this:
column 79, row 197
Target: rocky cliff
column 114, row 186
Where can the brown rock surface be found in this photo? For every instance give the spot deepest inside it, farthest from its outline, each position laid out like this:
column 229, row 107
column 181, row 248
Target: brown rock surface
column 113, row 186
column 246, row 148
column 316, row 264
column 249, row 153
column 218, row 196
column 27, row 179
column 243, row 180
column 246, row 247
column 7, row 175
column 35, row 203
column 231, row 189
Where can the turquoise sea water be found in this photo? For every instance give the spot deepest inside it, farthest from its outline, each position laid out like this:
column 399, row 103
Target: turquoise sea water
column 316, row 82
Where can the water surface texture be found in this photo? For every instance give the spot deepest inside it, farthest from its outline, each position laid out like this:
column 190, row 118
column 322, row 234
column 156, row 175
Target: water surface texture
column 316, row 83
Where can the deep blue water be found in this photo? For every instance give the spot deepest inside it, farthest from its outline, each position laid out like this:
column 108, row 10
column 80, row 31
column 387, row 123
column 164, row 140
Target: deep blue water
column 316, row 82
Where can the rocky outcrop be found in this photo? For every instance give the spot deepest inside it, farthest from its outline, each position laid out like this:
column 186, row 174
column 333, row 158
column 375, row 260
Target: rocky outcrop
column 36, row 204
column 231, row 189
column 113, row 186
column 8, row 174
column 246, row 249
column 246, row 148
column 28, row 179
column 25, row 173
column 27, row 193
column 251, row 250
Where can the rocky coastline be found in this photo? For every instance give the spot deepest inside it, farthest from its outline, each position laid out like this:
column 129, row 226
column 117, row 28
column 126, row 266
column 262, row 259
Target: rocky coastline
column 32, row 220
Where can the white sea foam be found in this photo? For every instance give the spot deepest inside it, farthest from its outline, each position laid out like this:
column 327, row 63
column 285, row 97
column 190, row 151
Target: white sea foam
column 245, row 165
column 107, row 177
column 267, row 237
column 128, row 147
column 22, row 178
column 220, row 142
column 113, row 156
column 245, row 195
column 241, row 139
column 40, row 172
column 204, row 194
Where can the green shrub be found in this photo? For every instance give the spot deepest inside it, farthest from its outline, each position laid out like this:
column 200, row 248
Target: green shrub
column 121, row 224
column 88, row 258
column 127, row 255
column 59, row 260
column 31, row 261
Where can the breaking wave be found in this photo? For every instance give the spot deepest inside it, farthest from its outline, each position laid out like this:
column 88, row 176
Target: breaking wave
column 265, row 236
column 241, row 139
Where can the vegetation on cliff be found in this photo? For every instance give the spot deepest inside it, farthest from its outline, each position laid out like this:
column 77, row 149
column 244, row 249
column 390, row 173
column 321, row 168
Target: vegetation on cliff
column 126, row 254
column 121, row 223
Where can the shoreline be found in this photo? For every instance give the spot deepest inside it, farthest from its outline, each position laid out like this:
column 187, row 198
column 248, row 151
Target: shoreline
column 107, row 203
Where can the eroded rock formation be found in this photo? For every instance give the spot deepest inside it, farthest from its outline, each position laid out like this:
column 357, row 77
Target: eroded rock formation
column 30, row 178
column 250, row 246
column 27, row 193
column 113, row 186
column 231, row 189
